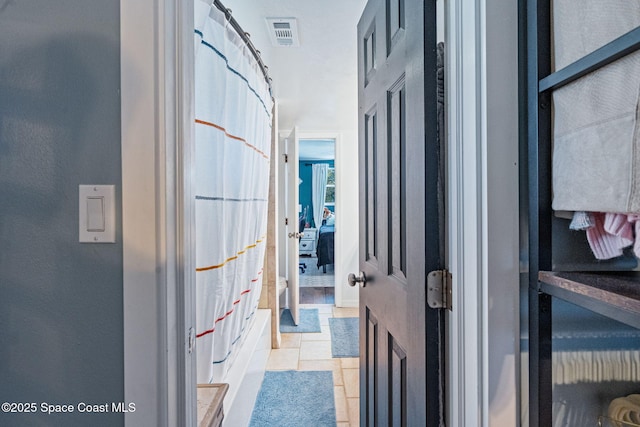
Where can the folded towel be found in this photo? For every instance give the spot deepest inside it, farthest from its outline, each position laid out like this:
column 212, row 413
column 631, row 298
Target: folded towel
column 609, row 234
column 580, row 27
column 596, row 135
column 603, row 244
column 582, row 221
column 625, row 409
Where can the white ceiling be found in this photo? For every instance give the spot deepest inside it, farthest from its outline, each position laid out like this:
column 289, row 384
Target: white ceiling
column 315, row 84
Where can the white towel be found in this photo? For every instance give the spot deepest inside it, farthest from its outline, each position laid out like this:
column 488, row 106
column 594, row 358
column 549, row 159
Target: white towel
column 625, row 409
column 596, row 140
column 572, row 367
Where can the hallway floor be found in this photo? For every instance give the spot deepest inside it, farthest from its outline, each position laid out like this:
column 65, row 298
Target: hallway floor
column 312, row 352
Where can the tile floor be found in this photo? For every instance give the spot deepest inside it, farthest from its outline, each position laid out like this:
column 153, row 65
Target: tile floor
column 311, row 352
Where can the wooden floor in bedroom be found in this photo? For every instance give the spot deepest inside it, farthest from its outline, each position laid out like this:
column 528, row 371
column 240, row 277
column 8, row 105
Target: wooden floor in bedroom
column 312, row 352
column 317, row 295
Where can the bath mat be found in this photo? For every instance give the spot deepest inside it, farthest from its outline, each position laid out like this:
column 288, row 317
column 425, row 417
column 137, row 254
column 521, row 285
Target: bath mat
column 294, row 399
column 344, row 336
column 309, row 321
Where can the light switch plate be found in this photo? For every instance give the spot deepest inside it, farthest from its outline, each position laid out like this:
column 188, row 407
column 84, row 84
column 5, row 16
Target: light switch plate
column 97, row 214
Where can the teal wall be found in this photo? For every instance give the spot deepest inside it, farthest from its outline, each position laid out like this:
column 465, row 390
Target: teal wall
column 305, row 195
column 61, row 309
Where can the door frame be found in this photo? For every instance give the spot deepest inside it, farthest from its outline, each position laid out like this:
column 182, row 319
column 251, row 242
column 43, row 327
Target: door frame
column 346, row 235
column 292, row 212
column 481, row 39
column 157, row 119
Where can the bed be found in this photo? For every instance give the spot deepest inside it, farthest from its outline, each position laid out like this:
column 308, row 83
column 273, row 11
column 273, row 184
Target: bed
column 325, row 246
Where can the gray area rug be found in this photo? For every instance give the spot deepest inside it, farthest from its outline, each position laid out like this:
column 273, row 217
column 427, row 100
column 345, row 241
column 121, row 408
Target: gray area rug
column 344, row 336
column 325, row 281
column 295, row 399
column 309, row 321
column 313, row 277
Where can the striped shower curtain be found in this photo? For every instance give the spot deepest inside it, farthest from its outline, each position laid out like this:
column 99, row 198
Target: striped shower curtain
column 232, row 139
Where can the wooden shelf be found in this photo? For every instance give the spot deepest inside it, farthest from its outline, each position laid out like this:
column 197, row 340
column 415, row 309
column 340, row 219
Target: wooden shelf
column 613, row 295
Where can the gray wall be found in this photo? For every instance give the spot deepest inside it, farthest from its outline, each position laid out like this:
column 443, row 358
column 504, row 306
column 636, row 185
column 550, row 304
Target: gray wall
column 61, row 318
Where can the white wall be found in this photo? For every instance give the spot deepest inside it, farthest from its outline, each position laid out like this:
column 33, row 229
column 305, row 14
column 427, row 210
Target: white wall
column 347, row 219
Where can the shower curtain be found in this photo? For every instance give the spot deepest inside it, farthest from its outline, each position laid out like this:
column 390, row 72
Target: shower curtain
column 232, row 146
column 319, row 184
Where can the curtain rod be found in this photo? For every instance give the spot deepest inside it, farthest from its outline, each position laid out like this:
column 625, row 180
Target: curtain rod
column 245, row 37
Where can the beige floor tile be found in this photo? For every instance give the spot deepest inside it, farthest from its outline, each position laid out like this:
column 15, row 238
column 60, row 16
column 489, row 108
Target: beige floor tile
column 351, row 378
column 350, row 362
column 354, row 411
column 322, row 308
column 315, row 350
column 316, row 336
column 323, row 365
column 346, row 312
column 324, row 319
column 283, row 359
column 344, row 425
column 342, row 408
column 290, row 340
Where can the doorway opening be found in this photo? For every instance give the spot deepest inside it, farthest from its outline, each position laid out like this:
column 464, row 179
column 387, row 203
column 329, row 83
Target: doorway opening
column 317, row 198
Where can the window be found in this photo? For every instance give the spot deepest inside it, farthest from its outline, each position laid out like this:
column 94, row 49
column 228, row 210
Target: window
column 330, row 197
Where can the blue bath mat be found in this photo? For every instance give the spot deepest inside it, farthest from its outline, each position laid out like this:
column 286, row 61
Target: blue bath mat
column 309, row 321
column 295, row 399
column 344, row 336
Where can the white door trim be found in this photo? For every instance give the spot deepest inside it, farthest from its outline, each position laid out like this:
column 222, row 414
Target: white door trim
column 482, row 93
column 293, row 213
column 158, row 214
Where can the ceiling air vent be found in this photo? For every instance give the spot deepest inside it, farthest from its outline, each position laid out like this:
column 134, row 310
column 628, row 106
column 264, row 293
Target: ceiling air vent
column 283, row 32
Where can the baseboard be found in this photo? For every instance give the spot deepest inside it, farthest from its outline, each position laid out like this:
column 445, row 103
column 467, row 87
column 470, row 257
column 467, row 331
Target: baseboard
column 246, row 375
column 349, row 303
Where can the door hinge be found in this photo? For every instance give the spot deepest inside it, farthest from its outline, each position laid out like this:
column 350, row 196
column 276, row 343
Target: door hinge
column 286, row 221
column 439, row 289
column 286, row 158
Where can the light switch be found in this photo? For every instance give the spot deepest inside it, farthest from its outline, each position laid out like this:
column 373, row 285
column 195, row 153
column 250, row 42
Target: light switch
column 97, row 214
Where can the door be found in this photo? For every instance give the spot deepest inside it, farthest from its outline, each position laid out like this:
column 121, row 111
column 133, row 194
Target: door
column 401, row 341
column 292, row 228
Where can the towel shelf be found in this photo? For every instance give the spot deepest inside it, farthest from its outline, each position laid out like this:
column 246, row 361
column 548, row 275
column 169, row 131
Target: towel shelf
column 615, row 295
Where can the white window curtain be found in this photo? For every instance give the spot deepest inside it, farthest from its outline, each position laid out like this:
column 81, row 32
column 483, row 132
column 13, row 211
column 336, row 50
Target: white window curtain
column 319, row 190
column 232, row 147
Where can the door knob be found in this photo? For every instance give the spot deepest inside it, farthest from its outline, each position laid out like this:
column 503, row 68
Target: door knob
column 353, row 279
column 295, row 235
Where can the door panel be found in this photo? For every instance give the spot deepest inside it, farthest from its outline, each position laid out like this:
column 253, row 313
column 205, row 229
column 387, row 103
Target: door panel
column 397, row 181
column 292, row 228
column 401, row 345
column 371, row 372
column 371, row 190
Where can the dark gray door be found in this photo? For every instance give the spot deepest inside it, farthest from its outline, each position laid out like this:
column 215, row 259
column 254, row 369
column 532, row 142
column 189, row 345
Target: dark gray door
column 400, row 337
